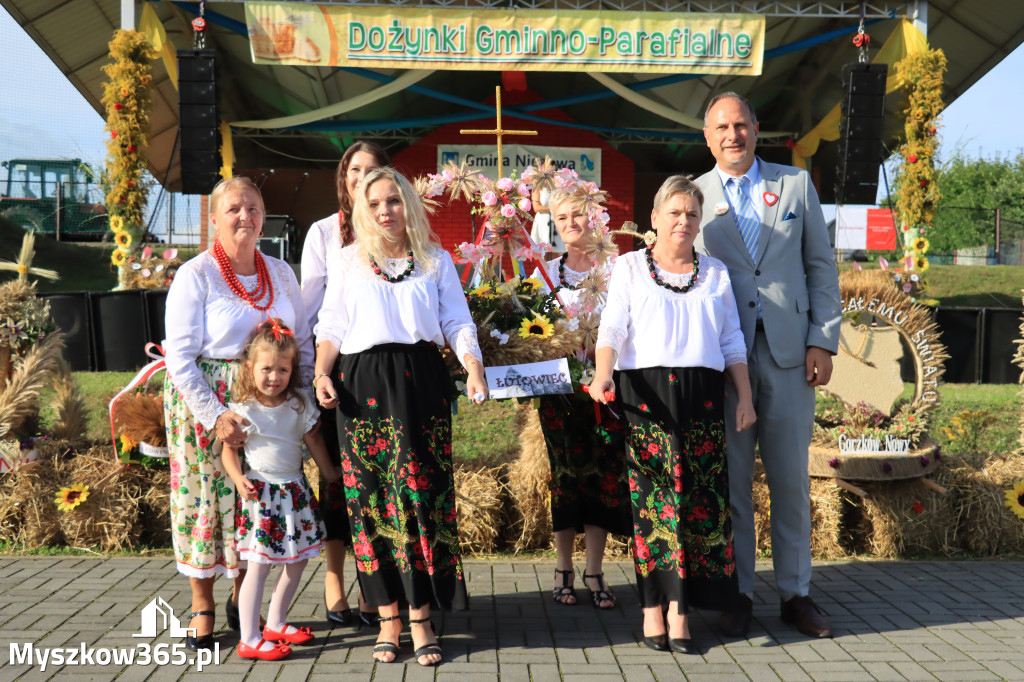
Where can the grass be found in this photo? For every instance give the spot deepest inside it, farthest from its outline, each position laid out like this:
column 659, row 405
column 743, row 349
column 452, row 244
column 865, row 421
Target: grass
column 983, row 286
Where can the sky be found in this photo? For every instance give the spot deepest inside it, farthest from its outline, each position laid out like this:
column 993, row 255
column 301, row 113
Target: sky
column 42, row 115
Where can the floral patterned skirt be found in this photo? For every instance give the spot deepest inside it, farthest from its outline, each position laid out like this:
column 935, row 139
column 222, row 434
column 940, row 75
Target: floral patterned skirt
column 588, row 464
column 395, row 428
column 202, row 494
column 679, row 486
column 282, row 525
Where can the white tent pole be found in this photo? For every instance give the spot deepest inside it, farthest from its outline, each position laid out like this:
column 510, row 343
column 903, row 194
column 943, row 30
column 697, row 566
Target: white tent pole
column 128, row 15
column 918, row 13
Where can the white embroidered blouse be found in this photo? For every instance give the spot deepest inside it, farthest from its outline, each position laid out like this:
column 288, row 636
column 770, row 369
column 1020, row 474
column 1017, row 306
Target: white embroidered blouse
column 322, row 244
column 650, row 326
column 273, row 448
column 362, row 310
column 205, row 319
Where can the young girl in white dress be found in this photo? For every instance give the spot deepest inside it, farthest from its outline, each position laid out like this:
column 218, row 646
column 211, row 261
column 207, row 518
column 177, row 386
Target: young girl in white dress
column 277, row 517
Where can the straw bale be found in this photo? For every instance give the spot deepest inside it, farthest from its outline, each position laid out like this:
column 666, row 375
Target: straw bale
column 109, row 518
column 33, row 488
column 529, row 476
column 616, row 547
column 894, row 529
column 312, row 472
column 69, row 405
column 480, row 505
column 155, row 509
column 989, row 527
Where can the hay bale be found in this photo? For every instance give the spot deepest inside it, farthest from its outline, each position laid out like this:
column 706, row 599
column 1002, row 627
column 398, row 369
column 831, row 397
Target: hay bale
column 988, row 526
column 528, row 480
column 109, row 518
column 33, row 488
column 480, row 506
column 896, row 527
column 155, row 509
column 616, row 547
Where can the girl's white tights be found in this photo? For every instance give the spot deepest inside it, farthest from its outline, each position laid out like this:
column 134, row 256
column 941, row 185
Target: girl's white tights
column 250, row 598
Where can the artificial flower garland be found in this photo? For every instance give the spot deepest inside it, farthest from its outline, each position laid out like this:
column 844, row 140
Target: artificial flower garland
column 918, row 192
column 126, row 99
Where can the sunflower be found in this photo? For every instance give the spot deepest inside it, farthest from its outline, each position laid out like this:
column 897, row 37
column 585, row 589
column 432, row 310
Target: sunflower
column 1015, row 498
column 69, row 498
column 483, row 290
column 535, row 284
column 127, row 444
column 123, row 239
column 118, row 258
column 920, row 245
column 921, row 263
column 116, row 223
column 539, row 326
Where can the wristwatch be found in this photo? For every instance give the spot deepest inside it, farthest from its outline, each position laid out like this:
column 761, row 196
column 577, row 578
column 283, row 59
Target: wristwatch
column 316, row 378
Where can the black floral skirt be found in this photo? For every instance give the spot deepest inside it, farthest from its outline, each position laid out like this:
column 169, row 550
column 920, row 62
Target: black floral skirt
column 588, row 464
column 332, row 495
column 679, row 486
column 395, row 428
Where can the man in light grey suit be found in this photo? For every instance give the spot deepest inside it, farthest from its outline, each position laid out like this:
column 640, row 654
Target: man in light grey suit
column 765, row 222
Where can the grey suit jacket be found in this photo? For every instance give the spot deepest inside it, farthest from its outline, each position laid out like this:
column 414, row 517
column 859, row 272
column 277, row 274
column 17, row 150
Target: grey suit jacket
column 793, row 269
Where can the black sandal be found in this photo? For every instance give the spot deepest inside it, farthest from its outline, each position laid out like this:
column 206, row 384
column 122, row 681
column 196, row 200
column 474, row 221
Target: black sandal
column 385, row 647
column 427, row 649
column 565, row 590
column 194, row 643
column 601, row 594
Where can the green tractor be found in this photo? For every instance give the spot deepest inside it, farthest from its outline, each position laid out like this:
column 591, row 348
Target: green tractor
column 57, row 197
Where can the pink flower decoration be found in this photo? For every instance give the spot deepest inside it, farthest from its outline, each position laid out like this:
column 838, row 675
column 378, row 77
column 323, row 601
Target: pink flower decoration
column 525, row 205
column 523, row 190
column 489, row 198
column 508, row 210
column 505, row 184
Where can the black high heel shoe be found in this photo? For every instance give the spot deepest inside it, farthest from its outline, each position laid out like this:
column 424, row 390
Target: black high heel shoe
column 365, row 618
column 343, row 617
column 231, row 611
column 193, row 643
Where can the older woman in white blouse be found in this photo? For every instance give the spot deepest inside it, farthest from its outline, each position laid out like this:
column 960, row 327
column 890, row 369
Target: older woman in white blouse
column 670, row 328
column 395, row 300
column 216, row 300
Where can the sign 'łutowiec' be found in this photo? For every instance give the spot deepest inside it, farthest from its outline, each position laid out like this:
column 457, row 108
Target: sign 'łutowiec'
column 516, row 39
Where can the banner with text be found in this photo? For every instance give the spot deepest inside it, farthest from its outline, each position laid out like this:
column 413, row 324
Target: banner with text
column 532, row 378
column 505, row 40
column 863, row 227
column 483, row 158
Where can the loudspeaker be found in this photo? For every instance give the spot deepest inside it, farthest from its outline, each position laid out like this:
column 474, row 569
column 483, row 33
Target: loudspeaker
column 276, row 225
column 70, row 312
column 119, row 330
column 199, row 140
column 276, row 247
column 156, row 312
column 860, row 133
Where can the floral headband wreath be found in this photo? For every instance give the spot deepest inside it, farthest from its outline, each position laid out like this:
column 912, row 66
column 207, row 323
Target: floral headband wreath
column 505, row 207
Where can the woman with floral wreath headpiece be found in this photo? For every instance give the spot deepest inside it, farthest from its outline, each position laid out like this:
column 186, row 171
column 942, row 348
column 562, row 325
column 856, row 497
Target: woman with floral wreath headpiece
column 320, row 252
column 671, row 328
column 589, row 493
column 391, row 306
column 214, row 303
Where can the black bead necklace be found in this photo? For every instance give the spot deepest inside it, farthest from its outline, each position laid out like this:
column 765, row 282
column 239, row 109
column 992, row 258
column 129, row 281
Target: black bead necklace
column 660, row 282
column 400, row 276
column 561, row 274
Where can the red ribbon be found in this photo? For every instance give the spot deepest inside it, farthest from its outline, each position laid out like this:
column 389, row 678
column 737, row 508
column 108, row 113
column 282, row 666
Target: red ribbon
column 276, row 327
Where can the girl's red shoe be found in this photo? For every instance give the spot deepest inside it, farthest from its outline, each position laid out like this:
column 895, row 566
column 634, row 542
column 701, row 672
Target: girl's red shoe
column 300, row 636
column 276, row 654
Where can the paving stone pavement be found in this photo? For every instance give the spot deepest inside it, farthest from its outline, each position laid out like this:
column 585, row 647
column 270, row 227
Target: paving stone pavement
column 929, row 620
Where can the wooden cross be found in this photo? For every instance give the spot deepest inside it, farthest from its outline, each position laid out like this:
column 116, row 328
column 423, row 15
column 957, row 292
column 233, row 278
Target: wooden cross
column 498, row 130
column 23, row 266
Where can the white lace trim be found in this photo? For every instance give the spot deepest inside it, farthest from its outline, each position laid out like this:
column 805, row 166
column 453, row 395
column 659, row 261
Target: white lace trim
column 465, row 342
column 219, row 569
column 201, row 399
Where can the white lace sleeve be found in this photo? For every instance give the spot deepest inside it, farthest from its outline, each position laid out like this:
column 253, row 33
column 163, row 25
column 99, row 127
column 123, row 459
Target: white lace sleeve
column 332, row 321
column 184, row 323
column 614, row 329
column 453, row 312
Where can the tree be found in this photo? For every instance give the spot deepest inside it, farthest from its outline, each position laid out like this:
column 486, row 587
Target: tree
column 971, row 191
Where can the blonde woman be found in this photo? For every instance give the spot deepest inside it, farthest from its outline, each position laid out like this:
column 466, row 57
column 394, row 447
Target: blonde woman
column 395, row 300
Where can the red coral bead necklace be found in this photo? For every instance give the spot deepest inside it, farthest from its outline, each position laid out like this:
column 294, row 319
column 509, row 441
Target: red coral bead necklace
column 264, row 287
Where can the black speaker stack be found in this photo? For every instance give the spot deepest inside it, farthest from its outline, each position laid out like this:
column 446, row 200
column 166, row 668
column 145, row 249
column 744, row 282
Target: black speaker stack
column 197, row 121
column 860, row 133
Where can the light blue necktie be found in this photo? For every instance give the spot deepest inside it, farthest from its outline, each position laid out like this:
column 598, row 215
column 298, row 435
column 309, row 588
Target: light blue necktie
column 747, row 218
